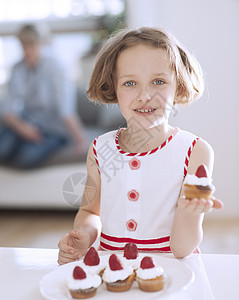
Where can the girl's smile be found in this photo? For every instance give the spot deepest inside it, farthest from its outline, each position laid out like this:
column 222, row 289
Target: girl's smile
column 145, row 110
column 145, row 85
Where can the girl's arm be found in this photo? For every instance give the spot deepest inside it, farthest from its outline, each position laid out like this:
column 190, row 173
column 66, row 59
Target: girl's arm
column 87, row 225
column 187, row 230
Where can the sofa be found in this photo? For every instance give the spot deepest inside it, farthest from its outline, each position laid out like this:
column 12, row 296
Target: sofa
column 60, row 182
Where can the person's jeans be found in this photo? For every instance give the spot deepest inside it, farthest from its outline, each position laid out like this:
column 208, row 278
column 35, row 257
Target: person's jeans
column 24, row 154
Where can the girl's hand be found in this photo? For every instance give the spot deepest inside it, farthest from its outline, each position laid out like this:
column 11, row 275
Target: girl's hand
column 66, row 252
column 73, row 246
column 217, row 204
column 198, row 206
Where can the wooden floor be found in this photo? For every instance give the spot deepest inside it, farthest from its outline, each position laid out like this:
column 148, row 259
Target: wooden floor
column 43, row 229
column 40, row 229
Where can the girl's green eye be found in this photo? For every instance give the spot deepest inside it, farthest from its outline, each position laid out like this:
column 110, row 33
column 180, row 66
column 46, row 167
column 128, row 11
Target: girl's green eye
column 129, row 83
column 158, row 82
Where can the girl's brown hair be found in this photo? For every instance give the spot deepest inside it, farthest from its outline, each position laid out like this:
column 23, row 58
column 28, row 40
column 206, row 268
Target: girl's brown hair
column 190, row 85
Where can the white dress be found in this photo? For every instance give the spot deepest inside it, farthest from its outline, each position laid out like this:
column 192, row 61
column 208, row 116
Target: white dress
column 139, row 191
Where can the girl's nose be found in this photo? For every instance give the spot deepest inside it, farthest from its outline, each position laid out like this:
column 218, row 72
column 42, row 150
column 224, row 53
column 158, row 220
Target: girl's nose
column 144, row 95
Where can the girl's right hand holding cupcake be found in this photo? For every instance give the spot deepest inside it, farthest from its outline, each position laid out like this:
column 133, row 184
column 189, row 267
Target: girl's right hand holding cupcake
column 195, row 205
column 73, row 246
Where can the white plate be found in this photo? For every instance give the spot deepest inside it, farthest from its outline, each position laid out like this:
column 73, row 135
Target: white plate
column 53, row 285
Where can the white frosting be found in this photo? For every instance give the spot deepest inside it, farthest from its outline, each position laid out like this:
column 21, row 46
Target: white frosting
column 134, row 263
column 93, row 269
column 192, row 179
column 112, row 276
column 149, row 273
column 91, row 280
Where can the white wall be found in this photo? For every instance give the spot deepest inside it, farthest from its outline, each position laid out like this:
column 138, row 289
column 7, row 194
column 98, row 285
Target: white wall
column 209, row 29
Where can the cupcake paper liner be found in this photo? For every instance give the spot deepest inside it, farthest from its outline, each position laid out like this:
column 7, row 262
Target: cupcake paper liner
column 151, row 285
column 120, row 285
column 83, row 294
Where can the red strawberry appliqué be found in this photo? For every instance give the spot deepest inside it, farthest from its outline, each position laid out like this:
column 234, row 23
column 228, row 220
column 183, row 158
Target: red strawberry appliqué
column 130, row 251
column 115, row 263
column 91, row 258
column 79, row 273
column 147, row 263
column 202, row 171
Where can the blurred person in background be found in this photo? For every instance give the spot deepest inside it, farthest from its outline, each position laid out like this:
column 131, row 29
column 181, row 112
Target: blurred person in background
column 38, row 114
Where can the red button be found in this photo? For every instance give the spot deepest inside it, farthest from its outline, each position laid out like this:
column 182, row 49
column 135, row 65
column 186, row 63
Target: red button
column 133, row 195
column 134, row 164
column 131, row 225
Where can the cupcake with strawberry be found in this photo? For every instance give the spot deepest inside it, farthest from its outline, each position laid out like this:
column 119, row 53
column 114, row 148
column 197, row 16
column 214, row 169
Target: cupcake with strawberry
column 82, row 285
column 92, row 262
column 131, row 256
column 150, row 278
column 199, row 185
column 117, row 277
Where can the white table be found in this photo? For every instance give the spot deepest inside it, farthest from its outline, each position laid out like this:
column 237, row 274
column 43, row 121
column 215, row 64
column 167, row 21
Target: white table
column 216, row 276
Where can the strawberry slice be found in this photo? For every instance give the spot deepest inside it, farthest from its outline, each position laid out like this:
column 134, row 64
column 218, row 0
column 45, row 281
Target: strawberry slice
column 115, row 263
column 130, row 251
column 91, row 258
column 147, row 263
column 202, row 171
column 79, row 273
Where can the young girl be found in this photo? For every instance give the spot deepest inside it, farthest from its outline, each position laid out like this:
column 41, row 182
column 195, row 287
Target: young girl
column 137, row 173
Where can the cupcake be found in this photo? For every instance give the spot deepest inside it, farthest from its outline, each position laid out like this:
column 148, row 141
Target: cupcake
column 131, row 256
column 199, row 185
column 82, row 285
column 149, row 277
column 118, row 278
column 92, row 262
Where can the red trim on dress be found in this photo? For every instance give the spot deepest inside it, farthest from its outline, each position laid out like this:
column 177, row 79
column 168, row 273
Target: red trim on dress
column 135, row 241
column 197, row 251
column 186, row 163
column 95, row 154
column 104, row 246
column 142, row 153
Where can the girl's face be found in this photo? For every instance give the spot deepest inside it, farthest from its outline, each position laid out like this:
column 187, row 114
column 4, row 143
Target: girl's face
column 145, row 86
